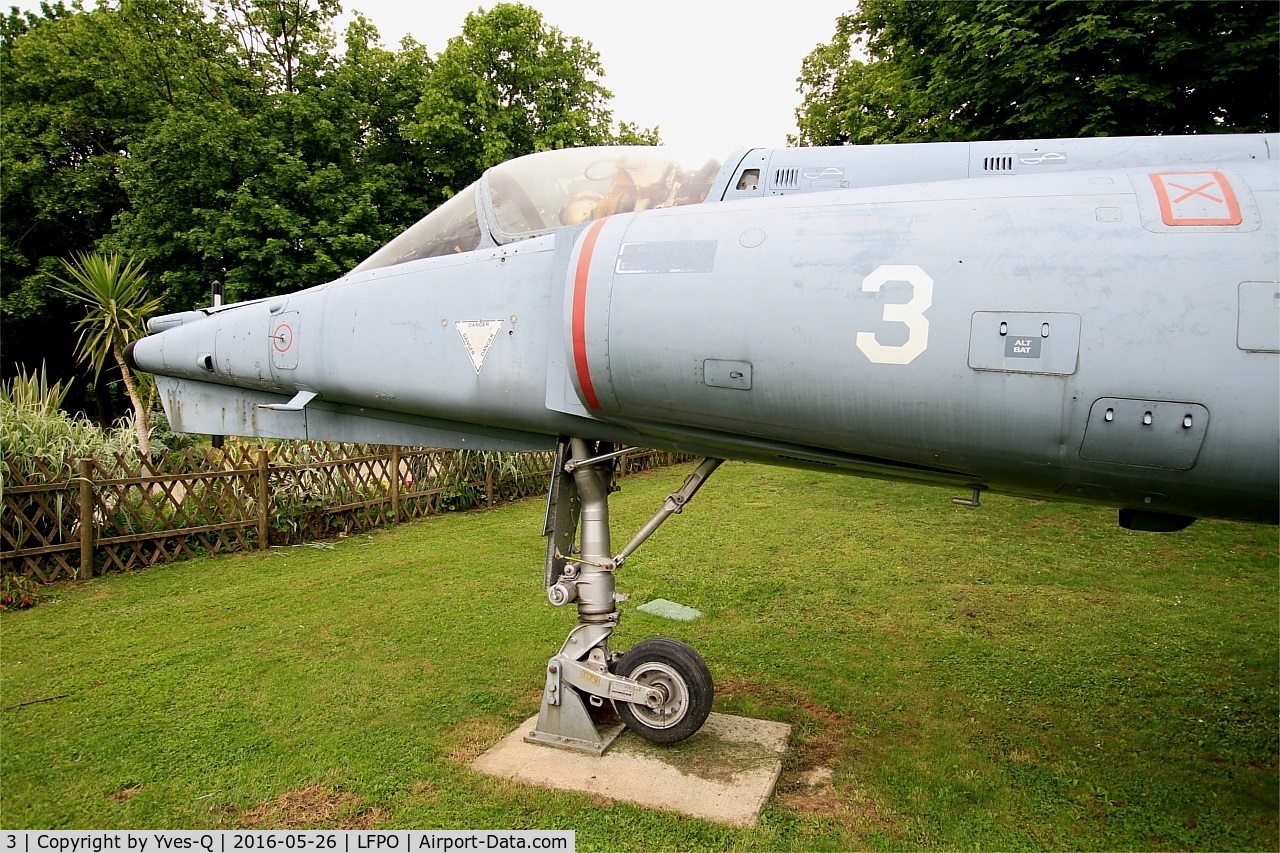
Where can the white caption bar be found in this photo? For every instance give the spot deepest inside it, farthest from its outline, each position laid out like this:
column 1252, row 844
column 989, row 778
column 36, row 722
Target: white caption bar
column 316, row 840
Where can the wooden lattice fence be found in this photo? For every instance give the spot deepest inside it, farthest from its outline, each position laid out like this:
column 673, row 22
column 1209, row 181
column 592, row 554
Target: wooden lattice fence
column 84, row 517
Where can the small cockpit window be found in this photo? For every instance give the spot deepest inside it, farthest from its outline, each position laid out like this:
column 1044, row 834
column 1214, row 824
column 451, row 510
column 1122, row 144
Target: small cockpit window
column 450, row 228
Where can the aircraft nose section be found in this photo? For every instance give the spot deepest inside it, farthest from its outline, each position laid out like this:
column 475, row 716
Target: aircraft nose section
column 230, row 347
column 148, row 355
column 181, row 345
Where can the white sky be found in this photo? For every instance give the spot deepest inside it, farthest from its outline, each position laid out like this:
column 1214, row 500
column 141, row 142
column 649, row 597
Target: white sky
column 718, row 76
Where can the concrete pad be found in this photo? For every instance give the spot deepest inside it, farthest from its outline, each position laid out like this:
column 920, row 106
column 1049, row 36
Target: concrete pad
column 724, row 773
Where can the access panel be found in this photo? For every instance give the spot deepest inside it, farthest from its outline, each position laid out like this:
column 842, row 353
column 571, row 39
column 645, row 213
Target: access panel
column 1024, row 342
column 1150, row 433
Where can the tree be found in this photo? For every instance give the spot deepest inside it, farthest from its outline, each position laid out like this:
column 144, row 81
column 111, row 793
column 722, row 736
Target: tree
column 279, row 38
column 80, row 87
column 508, row 85
column 113, row 291
column 64, row 119
column 1000, row 69
column 301, row 176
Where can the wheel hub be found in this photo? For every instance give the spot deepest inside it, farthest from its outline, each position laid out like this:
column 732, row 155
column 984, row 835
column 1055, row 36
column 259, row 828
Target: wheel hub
column 671, row 707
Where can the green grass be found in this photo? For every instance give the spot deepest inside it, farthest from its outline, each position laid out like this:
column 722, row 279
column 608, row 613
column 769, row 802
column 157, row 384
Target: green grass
column 1020, row 676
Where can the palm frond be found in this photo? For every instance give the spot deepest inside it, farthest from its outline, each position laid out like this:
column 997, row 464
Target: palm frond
column 113, row 290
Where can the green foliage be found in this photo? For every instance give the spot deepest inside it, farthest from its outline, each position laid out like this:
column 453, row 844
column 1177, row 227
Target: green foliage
column 165, row 441
column 114, row 294
column 18, row 593
column 70, row 108
column 290, row 182
column 284, row 42
column 32, row 392
column 464, row 483
column 990, row 69
column 30, row 433
column 303, row 487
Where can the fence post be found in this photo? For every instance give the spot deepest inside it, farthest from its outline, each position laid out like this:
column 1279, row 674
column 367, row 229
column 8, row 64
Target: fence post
column 87, row 526
column 264, row 498
column 395, row 484
column 488, row 478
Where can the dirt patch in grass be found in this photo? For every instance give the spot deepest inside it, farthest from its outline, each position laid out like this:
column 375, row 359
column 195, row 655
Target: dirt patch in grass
column 820, row 741
column 1053, row 523
column 124, row 795
column 819, row 732
column 814, row 792
column 423, row 789
column 312, row 807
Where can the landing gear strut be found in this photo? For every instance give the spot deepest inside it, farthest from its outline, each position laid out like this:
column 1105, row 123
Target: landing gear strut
column 661, row 689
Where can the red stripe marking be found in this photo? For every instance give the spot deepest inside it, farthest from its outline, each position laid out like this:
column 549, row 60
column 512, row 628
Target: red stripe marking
column 580, row 314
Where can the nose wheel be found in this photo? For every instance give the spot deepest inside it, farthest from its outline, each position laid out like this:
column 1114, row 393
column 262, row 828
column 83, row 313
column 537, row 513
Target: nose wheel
column 682, row 682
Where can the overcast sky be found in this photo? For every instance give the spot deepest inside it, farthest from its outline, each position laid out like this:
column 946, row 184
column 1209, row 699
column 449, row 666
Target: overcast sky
column 716, row 75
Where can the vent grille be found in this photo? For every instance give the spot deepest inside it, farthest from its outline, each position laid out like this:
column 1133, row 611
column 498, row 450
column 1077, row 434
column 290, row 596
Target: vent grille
column 787, row 179
column 1001, row 165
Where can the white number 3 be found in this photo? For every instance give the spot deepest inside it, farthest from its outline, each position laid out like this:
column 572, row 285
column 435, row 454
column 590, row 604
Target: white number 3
column 910, row 314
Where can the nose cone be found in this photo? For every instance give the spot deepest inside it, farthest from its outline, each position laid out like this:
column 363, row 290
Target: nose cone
column 128, row 357
column 146, row 355
column 182, row 346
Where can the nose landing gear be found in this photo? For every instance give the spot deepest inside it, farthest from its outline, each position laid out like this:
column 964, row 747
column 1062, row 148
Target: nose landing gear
column 661, row 689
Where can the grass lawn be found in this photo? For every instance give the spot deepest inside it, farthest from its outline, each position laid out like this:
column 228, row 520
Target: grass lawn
column 1023, row 675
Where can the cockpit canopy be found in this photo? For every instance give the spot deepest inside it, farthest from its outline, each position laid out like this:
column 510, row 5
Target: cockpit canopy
column 541, row 192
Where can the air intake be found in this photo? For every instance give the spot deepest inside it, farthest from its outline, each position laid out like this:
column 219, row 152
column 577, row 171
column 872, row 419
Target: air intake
column 1002, row 165
column 787, row 179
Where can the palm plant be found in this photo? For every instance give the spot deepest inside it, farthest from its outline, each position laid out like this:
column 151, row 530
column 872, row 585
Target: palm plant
column 112, row 289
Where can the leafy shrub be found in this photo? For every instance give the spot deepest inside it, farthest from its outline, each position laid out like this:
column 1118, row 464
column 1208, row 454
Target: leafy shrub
column 41, row 441
column 32, row 432
column 32, row 391
column 18, row 593
column 165, row 440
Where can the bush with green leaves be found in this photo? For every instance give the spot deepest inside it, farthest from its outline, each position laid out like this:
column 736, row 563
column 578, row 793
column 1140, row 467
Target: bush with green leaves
column 33, row 428
column 165, row 440
column 18, row 593
column 41, row 443
column 32, row 391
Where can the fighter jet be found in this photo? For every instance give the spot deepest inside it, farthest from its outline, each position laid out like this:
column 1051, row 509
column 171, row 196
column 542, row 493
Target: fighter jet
column 1093, row 320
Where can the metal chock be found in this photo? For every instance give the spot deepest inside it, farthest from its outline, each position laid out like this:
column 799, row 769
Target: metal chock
column 565, row 722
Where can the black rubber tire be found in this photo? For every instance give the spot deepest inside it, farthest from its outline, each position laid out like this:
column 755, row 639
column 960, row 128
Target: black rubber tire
column 680, row 672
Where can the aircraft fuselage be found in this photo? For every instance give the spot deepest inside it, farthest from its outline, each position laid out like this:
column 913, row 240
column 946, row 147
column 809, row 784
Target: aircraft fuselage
column 1105, row 332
